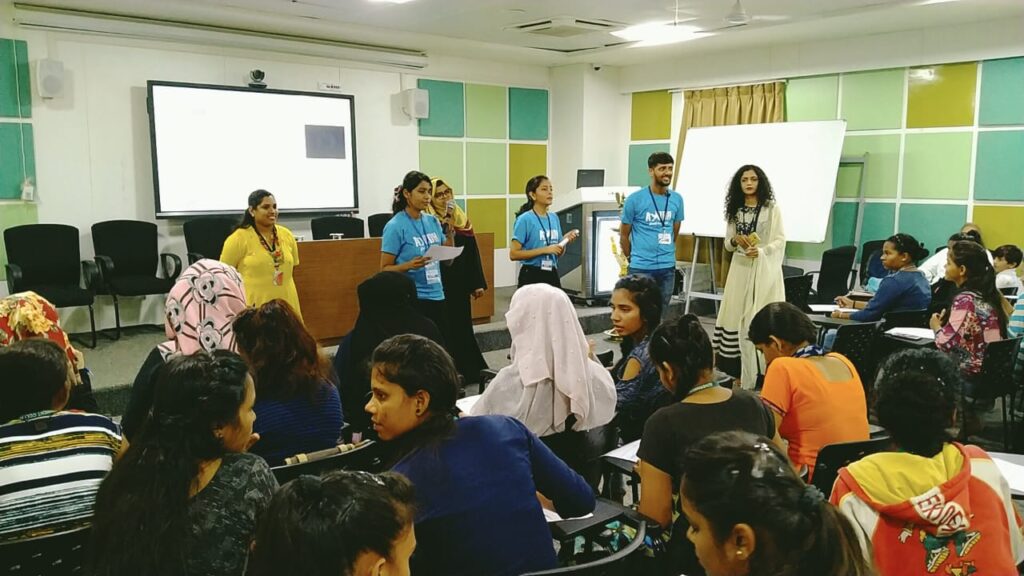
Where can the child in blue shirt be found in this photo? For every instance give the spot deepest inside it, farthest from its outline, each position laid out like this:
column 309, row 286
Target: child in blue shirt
column 536, row 236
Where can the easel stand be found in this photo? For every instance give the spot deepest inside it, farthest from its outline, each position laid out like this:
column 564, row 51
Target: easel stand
column 690, row 294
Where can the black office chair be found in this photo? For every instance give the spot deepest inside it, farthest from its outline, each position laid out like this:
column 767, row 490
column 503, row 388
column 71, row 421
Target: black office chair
column 788, row 271
column 1011, row 291
column 348, row 226
column 798, row 291
column 204, row 237
column 126, row 252
column 834, row 274
column 870, row 249
column 835, row 456
column 996, row 380
column 628, row 561
column 367, row 457
column 376, row 223
column 61, row 554
column 858, row 343
column 46, row 259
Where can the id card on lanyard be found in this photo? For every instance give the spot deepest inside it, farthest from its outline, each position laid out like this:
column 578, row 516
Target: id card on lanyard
column 432, row 271
column 664, row 237
column 548, row 263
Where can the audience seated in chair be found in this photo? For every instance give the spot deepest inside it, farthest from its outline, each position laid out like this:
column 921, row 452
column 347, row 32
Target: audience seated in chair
column 200, row 308
column 299, row 409
column 817, row 398
column 476, row 478
column 1006, row 259
column 1015, row 329
column 344, row 523
column 385, row 310
column 750, row 514
column 51, row 460
column 932, row 506
column 682, row 353
column 185, row 498
column 904, row 288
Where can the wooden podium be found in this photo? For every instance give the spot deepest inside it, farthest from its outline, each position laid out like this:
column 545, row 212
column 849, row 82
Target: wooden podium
column 329, row 272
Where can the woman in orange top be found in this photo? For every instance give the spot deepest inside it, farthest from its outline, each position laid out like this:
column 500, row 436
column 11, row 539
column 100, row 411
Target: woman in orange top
column 818, row 398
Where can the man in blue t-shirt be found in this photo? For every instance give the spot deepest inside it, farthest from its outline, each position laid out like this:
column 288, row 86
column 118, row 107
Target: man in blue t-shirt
column 650, row 225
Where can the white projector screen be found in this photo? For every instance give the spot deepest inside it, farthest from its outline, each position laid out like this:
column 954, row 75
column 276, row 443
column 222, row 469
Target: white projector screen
column 801, row 159
column 213, row 145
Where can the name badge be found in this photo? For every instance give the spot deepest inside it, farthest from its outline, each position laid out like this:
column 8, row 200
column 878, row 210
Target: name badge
column 278, row 277
column 546, row 265
column 664, row 237
column 433, row 271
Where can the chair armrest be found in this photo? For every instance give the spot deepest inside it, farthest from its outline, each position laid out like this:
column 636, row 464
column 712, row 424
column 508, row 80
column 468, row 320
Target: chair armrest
column 168, row 260
column 91, row 274
column 106, row 266
column 194, row 257
column 14, row 277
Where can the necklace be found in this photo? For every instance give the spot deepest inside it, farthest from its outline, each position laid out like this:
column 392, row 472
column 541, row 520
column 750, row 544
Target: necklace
column 696, row 389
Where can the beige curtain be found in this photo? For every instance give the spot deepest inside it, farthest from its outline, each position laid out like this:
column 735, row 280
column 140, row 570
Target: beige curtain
column 749, row 104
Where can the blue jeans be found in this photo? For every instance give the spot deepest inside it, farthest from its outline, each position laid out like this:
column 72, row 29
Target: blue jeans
column 666, row 281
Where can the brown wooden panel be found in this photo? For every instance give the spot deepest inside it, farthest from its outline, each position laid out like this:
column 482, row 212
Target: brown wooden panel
column 483, row 308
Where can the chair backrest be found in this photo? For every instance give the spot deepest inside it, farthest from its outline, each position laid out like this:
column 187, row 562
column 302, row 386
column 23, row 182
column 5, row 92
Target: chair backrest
column 582, row 450
column 324, row 226
column 905, row 319
column 625, row 562
column 834, row 275
column 788, row 271
column 46, row 253
column 58, row 554
column 1010, row 291
column 368, row 457
column 206, row 236
column 834, row 456
column 867, row 251
column 997, row 367
column 858, row 342
column 798, row 290
column 131, row 244
column 376, row 223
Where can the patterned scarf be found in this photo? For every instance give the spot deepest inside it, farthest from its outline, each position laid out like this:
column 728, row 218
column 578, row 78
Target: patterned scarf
column 809, row 351
column 201, row 307
column 28, row 315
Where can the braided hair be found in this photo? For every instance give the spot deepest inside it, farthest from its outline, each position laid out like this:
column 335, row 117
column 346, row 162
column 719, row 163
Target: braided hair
column 684, row 344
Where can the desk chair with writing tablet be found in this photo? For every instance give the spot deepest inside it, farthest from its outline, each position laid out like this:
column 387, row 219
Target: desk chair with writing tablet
column 835, row 456
column 834, row 274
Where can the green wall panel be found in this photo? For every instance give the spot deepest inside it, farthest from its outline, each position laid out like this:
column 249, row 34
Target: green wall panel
column 844, row 223
column 873, row 100
column 524, row 162
column 813, row 98
column 485, row 111
column 527, row 114
column 932, row 224
column 1002, row 91
column 447, row 109
column 440, row 159
column 879, row 221
column 15, row 84
column 490, row 215
column 937, row 165
column 999, row 170
column 638, row 154
column 17, row 158
column 942, row 95
column 651, row 116
column 883, row 164
column 14, row 214
column 486, row 168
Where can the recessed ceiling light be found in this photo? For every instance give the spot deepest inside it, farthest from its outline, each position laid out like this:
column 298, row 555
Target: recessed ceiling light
column 390, row 1
column 659, row 33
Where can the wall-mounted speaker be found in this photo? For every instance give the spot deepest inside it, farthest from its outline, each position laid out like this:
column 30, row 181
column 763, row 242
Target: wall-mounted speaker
column 416, row 102
column 50, row 78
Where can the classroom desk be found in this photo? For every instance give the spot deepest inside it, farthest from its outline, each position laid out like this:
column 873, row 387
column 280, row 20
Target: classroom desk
column 604, row 512
column 1016, row 490
column 826, row 323
column 330, row 271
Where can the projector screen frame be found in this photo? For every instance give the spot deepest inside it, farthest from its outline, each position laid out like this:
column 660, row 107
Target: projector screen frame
column 178, row 214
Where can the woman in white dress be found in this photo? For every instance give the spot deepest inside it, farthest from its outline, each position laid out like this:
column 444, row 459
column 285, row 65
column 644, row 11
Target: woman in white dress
column 756, row 238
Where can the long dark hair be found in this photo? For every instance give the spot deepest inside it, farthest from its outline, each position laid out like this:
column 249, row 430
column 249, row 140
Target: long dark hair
column 531, row 186
column 981, row 277
column 685, row 345
column 907, row 244
column 318, row 526
column 734, row 199
column 917, row 394
column 141, row 524
column 784, row 321
column 255, row 198
column 416, row 363
column 735, row 478
column 284, row 357
column 646, row 295
column 412, row 179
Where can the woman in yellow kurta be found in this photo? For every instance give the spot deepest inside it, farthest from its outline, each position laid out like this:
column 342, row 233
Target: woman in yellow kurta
column 264, row 253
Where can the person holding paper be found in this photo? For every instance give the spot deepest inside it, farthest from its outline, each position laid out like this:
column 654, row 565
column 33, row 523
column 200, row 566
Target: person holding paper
column 905, row 288
column 650, row 225
column 755, row 236
column 930, row 505
column 407, row 237
column 537, row 238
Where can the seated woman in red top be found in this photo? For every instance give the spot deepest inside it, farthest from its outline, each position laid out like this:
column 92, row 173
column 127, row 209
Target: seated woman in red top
column 817, row 398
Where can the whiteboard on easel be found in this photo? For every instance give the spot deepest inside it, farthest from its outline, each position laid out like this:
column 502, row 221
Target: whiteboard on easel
column 801, row 159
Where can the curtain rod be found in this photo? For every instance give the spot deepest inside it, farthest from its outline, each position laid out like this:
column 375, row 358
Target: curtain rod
column 678, row 90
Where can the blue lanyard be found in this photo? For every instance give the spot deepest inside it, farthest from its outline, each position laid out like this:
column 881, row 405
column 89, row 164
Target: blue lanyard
column 547, row 237
column 655, row 204
column 423, row 229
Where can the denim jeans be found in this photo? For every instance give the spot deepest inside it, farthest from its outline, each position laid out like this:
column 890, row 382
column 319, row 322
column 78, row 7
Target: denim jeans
column 666, row 281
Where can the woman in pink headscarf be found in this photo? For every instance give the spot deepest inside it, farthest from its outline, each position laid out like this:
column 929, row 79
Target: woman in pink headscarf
column 200, row 309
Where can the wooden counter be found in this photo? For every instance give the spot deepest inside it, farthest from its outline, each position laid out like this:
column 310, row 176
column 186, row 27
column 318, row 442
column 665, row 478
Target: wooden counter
column 329, row 272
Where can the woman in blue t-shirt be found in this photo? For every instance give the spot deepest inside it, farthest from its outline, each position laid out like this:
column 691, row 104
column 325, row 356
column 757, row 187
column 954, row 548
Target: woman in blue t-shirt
column 407, row 237
column 537, row 236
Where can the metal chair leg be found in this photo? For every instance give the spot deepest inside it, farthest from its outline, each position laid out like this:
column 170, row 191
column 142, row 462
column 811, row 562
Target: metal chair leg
column 117, row 317
column 92, row 325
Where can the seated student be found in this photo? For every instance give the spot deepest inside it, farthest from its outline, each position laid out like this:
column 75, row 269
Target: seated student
column 199, row 310
column 905, row 288
column 339, row 524
column 1015, row 329
column 476, row 478
column 386, row 309
column 299, row 409
column 934, row 267
column 51, row 461
column 750, row 514
column 185, row 498
column 1005, row 260
column 818, row 399
column 930, row 506
column 552, row 375
column 636, row 310
column 682, row 353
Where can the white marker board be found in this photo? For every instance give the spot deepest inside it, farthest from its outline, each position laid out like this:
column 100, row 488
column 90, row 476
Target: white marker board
column 801, row 159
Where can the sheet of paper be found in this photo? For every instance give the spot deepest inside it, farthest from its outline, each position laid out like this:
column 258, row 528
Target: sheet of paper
column 552, row 516
column 1014, row 473
column 441, row 253
column 828, row 308
column 626, row 452
column 912, row 333
column 466, row 404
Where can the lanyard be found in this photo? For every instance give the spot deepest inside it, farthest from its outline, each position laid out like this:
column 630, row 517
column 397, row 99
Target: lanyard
column 655, row 204
column 696, row 389
column 547, row 237
column 273, row 249
column 423, row 229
